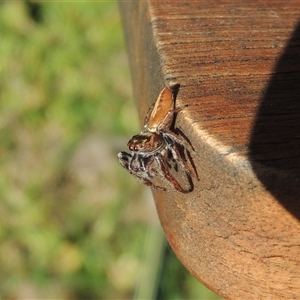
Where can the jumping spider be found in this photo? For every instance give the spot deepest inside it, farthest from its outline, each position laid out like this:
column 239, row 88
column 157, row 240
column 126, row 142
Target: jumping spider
column 157, row 148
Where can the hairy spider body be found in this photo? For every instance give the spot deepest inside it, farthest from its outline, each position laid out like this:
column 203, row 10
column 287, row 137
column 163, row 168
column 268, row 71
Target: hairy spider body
column 156, row 145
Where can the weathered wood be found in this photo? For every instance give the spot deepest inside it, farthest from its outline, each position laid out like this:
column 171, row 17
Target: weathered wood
column 238, row 232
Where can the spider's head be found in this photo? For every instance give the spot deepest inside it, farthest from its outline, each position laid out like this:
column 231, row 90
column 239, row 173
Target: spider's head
column 147, row 142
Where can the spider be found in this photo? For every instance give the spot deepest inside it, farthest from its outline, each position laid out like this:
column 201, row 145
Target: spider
column 157, row 148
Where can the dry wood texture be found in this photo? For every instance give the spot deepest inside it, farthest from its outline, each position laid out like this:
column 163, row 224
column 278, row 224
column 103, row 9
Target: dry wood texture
column 239, row 61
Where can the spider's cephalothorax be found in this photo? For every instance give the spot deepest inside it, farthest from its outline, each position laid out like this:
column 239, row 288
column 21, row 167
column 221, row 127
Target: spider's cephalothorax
column 157, row 148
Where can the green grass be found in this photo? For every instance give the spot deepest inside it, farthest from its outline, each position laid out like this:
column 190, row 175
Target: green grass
column 68, row 224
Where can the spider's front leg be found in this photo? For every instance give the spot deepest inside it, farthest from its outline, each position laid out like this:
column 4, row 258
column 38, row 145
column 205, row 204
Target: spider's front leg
column 168, row 176
column 140, row 169
column 172, row 137
column 124, row 159
column 174, row 143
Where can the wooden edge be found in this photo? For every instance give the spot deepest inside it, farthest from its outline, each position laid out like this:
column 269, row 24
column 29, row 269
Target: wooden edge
column 234, row 232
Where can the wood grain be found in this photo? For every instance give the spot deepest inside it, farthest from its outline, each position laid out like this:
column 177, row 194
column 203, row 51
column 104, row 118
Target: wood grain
column 238, row 65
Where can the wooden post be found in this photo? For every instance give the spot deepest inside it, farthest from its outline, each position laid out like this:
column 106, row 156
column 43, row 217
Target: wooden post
column 238, row 232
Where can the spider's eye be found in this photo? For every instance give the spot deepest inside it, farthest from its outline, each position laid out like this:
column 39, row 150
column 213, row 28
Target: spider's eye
column 136, row 142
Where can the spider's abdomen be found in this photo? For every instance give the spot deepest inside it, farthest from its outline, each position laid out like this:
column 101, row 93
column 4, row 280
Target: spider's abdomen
column 163, row 105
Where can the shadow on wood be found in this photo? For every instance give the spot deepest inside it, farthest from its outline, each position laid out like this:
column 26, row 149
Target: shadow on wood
column 274, row 148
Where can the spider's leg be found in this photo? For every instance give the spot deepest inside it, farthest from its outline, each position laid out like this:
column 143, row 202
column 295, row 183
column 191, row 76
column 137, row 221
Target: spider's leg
column 144, row 162
column 173, row 141
column 180, row 157
column 165, row 170
column 192, row 164
column 124, row 159
column 172, row 137
column 148, row 182
column 139, row 166
column 148, row 171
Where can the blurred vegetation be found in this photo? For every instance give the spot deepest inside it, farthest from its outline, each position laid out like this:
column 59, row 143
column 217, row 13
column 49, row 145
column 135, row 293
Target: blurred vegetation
column 71, row 219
